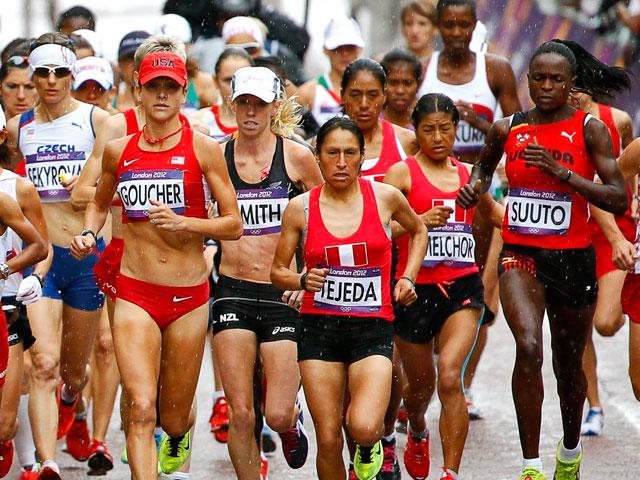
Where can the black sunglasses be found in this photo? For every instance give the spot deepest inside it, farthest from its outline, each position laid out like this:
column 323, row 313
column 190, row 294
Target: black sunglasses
column 44, row 71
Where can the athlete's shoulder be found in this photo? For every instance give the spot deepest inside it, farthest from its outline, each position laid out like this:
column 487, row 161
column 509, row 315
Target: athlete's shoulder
column 114, row 127
column 296, row 148
column 200, row 140
column 116, row 146
column 497, row 61
column 199, row 126
column 621, row 118
column 307, row 92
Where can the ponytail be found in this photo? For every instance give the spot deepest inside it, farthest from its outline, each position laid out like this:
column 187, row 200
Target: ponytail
column 287, row 117
column 592, row 76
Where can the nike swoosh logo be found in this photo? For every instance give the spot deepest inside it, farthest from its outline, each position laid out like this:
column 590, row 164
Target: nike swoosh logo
column 129, row 162
column 180, row 299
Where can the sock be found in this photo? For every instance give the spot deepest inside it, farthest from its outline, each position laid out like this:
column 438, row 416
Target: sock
column 179, row 476
column 23, row 441
column 532, row 462
column 51, row 464
column 448, row 471
column 157, row 431
column 81, row 416
column 419, row 435
column 389, row 438
column 568, row 455
column 66, row 397
column 596, row 409
column 217, row 394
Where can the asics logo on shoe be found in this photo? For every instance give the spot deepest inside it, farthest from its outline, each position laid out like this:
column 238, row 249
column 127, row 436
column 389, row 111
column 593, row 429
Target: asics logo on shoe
column 570, row 137
column 283, row 330
column 180, row 299
column 126, row 163
column 228, row 317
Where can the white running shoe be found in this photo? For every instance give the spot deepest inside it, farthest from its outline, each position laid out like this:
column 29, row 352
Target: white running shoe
column 593, row 424
column 474, row 411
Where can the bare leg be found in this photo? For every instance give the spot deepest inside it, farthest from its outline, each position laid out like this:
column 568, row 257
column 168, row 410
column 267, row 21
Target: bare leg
column 280, row 367
column 235, row 351
column 324, row 385
column 11, row 394
column 634, row 357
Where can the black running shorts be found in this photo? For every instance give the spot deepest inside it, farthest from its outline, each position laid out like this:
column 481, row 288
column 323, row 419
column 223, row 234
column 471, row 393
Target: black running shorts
column 421, row 321
column 568, row 275
column 345, row 339
column 239, row 304
column 19, row 330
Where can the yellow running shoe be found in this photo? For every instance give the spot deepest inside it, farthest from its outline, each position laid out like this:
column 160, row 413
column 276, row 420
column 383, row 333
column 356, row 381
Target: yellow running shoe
column 174, row 452
column 367, row 461
column 567, row 470
column 532, row 473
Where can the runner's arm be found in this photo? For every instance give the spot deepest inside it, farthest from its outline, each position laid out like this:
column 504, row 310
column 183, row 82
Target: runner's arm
column 36, row 248
column 411, row 223
column 489, row 208
column 31, row 207
column 282, row 276
column 303, row 166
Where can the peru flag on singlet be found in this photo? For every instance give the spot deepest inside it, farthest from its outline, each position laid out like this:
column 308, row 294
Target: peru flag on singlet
column 350, row 255
column 459, row 213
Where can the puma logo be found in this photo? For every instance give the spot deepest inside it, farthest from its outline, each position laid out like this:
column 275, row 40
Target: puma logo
column 570, row 137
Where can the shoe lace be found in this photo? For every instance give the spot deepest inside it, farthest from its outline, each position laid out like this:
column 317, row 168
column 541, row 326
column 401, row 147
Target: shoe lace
column 365, row 454
column 174, row 446
column 530, row 473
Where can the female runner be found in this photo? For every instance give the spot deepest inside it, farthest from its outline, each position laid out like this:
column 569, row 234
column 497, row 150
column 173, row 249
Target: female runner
column 347, row 306
column 158, row 173
column 221, row 118
column 553, row 152
column 404, row 73
column 449, row 288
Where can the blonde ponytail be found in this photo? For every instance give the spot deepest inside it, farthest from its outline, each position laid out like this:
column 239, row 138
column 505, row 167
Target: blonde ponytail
column 287, row 117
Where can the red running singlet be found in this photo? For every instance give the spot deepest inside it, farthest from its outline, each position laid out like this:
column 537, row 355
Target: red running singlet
column 172, row 177
column 542, row 211
column 359, row 278
column 376, row 168
column 450, row 252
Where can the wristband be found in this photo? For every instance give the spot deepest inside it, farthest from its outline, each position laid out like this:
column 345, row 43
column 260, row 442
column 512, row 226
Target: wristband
column 303, row 281
column 86, row 231
column 409, row 280
column 567, row 177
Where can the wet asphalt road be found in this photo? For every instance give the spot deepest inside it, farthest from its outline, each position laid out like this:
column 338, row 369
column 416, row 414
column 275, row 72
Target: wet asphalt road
column 492, row 450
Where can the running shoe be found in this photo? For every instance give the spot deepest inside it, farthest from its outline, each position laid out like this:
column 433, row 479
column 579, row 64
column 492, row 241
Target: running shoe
column 219, row 420
column 264, row 467
column 295, row 444
column 66, row 413
column 594, row 423
column 446, row 475
column 49, row 472
column 567, row 470
column 28, row 473
column 474, row 411
column 78, row 441
column 402, row 420
column 532, row 473
column 174, row 452
column 416, row 457
column 268, row 442
column 6, row 457
column 390, row 465
column 367, row 461
column 100, row 460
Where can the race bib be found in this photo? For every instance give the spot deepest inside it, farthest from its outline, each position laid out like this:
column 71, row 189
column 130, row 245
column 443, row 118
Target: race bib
column 138, row 187
column 451, row 245
column 261, row 210
column 351, row 289
column 534, row 212
column 44, row 170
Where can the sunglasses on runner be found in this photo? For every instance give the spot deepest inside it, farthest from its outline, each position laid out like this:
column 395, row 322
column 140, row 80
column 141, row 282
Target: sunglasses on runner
column 251, row 48
column 17, row 61
column 44, row 71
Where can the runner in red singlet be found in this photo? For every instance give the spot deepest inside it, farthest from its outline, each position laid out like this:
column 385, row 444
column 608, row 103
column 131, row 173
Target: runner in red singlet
column 363, row 94
column 108, row 267
column 163, row 293
column 618, row 234
column 347, row 308
column 629, row 163
column 553, row 152
column 449, row 288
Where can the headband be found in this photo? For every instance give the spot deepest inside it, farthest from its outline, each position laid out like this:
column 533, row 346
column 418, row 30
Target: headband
column 51, row 54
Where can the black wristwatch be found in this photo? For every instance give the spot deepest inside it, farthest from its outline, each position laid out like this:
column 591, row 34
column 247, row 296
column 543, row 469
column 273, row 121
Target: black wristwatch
column 39, row 277
column 86, row 231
